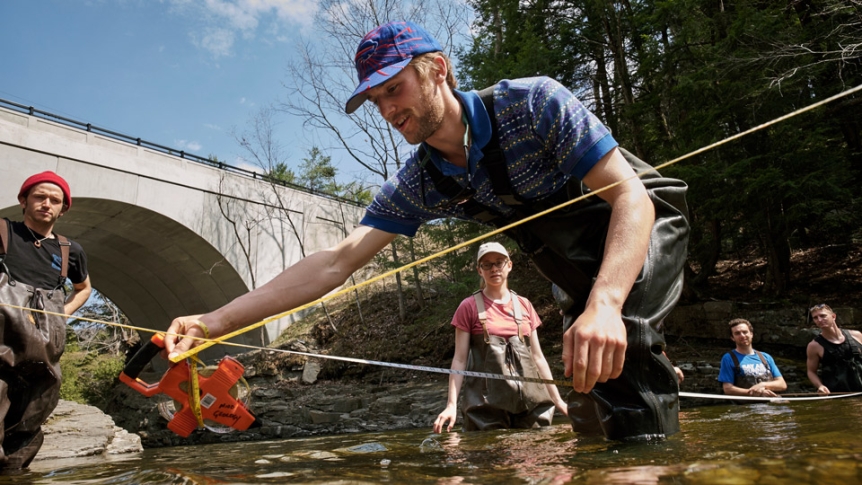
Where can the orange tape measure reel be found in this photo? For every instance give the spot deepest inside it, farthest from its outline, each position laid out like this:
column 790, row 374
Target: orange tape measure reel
column 220, row 404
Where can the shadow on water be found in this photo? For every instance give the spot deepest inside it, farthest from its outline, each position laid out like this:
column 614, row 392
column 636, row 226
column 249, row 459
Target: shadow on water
column 816, row 442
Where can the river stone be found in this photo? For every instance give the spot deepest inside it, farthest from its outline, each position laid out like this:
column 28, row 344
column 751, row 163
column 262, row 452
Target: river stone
column 365, row 448
column 77, row 430
column 310, row 372
column 320, row 417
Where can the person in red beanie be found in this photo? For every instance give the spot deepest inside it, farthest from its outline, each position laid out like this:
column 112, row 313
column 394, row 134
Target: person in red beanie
column 34, row 265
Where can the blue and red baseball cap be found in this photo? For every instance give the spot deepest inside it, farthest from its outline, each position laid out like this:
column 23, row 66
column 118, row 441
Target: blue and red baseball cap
column 384, row 52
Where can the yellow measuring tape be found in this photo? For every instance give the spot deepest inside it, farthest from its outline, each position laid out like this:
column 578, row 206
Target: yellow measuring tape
column 500, row 230
column 195, row 390
column 194, row 385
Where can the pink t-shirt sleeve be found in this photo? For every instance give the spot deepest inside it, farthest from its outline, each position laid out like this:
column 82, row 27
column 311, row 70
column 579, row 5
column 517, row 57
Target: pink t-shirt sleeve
column 466, row 315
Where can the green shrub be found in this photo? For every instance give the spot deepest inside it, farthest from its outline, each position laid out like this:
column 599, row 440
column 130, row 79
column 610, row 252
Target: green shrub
column 88, row 378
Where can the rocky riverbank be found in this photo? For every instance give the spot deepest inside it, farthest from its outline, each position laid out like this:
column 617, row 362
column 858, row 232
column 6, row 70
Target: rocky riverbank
column 291, row 402
column 77, row 430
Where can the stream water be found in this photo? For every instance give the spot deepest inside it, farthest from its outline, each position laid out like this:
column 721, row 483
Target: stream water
column 816, row 442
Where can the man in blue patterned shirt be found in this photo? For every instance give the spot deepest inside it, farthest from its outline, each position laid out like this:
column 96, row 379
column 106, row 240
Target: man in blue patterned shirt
column 525, row 147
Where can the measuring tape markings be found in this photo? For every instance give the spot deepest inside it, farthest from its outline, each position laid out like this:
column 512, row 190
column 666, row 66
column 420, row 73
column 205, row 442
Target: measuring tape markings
column 537, row 380
column 440, row 370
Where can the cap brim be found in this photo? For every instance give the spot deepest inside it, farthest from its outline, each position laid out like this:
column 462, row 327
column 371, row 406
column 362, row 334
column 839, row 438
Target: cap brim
column 380, row 76
column 482, row 255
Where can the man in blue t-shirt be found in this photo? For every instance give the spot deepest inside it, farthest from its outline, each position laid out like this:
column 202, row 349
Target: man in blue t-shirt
column 496, row 157
column 745, row 371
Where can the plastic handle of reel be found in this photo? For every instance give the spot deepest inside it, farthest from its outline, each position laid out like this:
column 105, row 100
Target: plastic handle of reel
column 144, row 356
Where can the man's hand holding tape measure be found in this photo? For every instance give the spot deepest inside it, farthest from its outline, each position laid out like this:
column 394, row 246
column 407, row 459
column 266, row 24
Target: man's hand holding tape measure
column 177, row 341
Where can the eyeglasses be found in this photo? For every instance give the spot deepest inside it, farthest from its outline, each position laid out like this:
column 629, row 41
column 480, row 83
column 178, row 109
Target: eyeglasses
column 817, row 307
column 496, row 264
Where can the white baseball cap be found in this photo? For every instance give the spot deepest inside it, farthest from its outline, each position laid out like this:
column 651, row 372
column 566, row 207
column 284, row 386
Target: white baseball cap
column 491, row 247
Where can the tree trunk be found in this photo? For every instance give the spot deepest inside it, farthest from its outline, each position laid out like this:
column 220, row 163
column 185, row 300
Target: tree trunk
column 777, row 251
column 402, row 308
column 329, row 317
column 710, row 256
column 611, row 22
column 420, row 295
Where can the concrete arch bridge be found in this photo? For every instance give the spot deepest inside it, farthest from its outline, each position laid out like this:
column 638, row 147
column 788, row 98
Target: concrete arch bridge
column 166, row 235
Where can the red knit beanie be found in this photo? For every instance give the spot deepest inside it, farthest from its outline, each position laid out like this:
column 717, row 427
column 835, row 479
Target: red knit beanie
column 51, row 178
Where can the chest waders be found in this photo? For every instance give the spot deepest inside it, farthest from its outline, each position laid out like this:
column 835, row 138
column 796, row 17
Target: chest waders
column 503, row 404
column 841, row 365
column 567, row 247
column 746, row 381
column 31, row 344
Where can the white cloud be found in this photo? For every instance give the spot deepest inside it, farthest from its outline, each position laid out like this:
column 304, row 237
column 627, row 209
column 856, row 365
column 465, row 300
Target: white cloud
column 220, row 22
column 188, row 146
column 219, row 42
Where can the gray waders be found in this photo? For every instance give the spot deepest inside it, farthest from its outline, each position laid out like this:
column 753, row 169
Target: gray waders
column 567, row 247
column 503, row 404
column 31, row 344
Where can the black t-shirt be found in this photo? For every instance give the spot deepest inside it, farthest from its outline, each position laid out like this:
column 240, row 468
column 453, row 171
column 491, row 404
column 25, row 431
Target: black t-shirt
column 40, row 267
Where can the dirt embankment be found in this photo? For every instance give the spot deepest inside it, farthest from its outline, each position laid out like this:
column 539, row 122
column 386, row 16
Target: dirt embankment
column 831, row 274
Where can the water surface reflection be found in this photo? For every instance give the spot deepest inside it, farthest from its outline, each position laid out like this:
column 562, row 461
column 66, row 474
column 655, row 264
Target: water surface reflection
column 811, row 442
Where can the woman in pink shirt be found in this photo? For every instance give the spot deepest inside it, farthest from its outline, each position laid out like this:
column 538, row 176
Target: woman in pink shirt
column 495, row 331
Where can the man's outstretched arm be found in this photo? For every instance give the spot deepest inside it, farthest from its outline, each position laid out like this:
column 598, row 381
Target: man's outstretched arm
column 305, row 281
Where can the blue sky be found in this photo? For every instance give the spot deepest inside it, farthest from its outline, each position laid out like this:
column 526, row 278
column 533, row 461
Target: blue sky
column 181, row 73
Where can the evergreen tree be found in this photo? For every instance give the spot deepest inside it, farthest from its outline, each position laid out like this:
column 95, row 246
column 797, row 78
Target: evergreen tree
column 669, row 77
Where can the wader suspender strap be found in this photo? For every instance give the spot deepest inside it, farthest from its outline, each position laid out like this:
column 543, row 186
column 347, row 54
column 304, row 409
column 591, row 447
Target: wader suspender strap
column 736, row 362
column 64, row 251
column 4, row 246
column 483, row 317
column 493, row 160
column 4, row 237
column 855, row 346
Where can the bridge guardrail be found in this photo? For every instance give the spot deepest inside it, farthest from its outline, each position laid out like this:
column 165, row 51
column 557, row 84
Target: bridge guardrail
column 166, row 150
